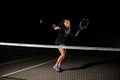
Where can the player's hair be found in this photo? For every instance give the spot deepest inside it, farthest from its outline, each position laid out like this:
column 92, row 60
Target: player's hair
column 62, row 22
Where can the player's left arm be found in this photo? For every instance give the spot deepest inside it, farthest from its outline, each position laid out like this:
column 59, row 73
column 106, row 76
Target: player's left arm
column 55, row 27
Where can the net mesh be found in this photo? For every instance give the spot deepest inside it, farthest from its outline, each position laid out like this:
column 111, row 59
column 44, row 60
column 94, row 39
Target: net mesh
column 19, row 57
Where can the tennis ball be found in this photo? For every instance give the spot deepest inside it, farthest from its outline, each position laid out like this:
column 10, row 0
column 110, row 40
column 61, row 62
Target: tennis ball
column 41, row 21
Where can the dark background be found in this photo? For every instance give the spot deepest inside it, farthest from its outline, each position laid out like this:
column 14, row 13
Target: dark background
column 21, row 24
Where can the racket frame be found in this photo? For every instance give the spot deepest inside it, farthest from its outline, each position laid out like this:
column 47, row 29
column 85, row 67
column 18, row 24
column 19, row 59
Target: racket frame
column 81, row 28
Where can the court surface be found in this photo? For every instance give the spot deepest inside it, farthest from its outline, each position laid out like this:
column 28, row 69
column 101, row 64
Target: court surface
column 21, row 63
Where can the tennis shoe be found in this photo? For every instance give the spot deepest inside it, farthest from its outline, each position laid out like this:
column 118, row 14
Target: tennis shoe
column 57, row 68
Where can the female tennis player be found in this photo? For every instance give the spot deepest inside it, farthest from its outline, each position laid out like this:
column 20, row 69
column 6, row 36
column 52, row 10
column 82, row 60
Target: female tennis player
column 64, row 30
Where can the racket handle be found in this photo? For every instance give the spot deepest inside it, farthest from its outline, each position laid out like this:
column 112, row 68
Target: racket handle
column 77, row 33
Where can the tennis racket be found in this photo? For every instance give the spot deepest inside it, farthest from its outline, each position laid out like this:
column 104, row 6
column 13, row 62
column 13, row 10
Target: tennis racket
column 82, row 25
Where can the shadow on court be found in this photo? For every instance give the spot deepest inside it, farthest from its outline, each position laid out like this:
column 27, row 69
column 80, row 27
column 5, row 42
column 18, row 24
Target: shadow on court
column 88, row 65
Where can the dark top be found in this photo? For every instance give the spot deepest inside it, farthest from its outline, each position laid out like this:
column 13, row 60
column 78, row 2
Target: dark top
column 62, row 34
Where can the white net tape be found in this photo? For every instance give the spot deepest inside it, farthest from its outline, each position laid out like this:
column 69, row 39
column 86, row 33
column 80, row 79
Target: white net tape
column 55, row 46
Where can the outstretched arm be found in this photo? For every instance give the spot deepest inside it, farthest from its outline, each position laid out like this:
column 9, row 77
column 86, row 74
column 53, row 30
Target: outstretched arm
column 55, row 27
column 74, row 34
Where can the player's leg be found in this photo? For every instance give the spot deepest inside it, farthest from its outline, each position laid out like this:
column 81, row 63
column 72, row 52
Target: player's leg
column 62, row 56
column 57, row 66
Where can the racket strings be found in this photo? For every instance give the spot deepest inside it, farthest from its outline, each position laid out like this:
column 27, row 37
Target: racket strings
column 84, row 23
